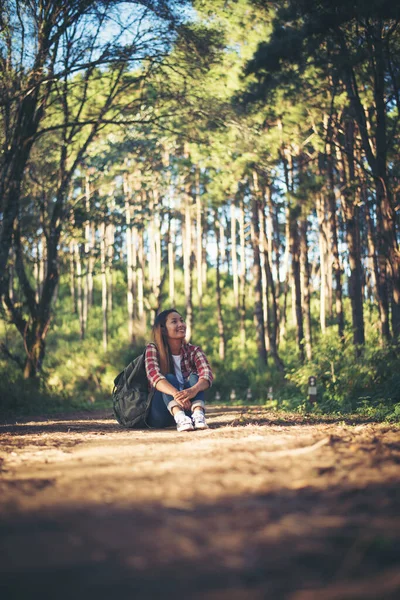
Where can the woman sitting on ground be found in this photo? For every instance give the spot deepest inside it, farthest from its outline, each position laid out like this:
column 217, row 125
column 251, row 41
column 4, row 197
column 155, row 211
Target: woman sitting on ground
column 180, row 372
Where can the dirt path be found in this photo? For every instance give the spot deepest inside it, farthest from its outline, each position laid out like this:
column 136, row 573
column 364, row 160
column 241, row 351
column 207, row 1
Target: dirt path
column 258, row 506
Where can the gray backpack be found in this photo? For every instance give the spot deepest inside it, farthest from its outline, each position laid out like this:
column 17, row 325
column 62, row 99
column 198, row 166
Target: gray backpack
column 131, row 395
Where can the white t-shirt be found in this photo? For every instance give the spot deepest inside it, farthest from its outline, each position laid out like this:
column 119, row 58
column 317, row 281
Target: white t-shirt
column 178, row 370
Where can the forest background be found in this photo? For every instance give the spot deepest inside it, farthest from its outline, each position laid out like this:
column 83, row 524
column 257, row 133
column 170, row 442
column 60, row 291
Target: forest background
column 238, row 160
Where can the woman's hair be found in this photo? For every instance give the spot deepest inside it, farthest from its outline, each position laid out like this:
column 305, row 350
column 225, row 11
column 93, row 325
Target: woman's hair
column 159, row 335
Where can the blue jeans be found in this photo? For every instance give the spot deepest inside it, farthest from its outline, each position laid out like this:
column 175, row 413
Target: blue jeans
column 159, row 415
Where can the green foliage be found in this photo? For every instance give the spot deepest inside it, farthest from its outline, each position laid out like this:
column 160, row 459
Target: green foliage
column 366, row 384
column 80, row 374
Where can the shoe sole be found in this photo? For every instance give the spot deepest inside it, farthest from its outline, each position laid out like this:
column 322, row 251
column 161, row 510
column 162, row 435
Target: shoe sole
column 201, row 427
column 187, row 428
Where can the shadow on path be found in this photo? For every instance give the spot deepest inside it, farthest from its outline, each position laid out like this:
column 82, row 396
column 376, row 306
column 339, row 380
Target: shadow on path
column 253, row 546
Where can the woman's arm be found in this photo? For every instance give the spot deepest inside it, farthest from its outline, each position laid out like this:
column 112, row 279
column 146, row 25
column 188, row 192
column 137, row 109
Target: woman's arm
column 163, row 385
column 189, row 393
column 158, row 380
column 203, row 366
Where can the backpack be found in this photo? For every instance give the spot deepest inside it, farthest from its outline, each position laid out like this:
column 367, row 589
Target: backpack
column 131, row 396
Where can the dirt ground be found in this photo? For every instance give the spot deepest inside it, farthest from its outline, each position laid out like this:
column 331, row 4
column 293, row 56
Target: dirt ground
column 261, row 505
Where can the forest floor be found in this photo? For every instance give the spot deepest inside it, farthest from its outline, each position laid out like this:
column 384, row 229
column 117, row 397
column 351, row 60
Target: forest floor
column 260, row 505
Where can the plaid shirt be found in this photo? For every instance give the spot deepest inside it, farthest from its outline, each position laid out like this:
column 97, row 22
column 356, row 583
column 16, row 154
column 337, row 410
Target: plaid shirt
column 193, row 360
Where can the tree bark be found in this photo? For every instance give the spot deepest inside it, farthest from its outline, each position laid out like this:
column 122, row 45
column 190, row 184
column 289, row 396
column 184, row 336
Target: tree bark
column 157, row 249
column 171, row 261
column 199, row 240
column 89, row 244
column 351, row 213
column 235, row 275
column 140, row 276
column 320, row 205
column 187, row 262
column 220, row 320
column 335, row 246
column 257, row 278
column 264, row 280
column 72, row 276
column 242, row 274
column 110, row 236
column 294, row 243
column 129, row 265
column 79, row 290
column 286, row 270
column 271, row 311
column 387, row 246
column 273, row 238
column 305, row 286
column 103, row 268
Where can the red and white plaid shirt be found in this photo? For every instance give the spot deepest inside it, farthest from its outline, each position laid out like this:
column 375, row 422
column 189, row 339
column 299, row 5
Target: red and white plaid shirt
column 193, row 360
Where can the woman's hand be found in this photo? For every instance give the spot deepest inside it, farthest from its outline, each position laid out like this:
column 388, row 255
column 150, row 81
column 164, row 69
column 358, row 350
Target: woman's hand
column 183, row 398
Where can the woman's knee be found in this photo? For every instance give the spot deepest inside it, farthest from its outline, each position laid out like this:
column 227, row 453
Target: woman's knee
column 192, row 379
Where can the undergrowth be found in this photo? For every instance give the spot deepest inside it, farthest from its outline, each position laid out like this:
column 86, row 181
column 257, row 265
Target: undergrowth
column 79, row 374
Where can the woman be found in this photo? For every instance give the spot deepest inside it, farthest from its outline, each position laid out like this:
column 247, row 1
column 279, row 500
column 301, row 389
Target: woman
column 179, row 372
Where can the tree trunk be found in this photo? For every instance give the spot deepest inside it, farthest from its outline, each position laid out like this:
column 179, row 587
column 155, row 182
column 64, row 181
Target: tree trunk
column 351, row 213
column 199, row 240
column 34, row 330
column 242, row 275
column 235, row 275
column 320, row 204
column 286, row 270
column 89, row 246
column 129, row 265
column 42, row 264
column 270, row 297
column 29, row 115
column 335, row 247
column 91, row 263
column 221, row 331
column 257, row 278
column 294, row 244
column 386, row 215
column 36, row 263
column 204, row 250
column 383, row 247
column 305, row 286
column 72, row 278
column 264, row 280
column 372, row 255
column 11, row 276
column 387, row 246
column 140, row 276
column 104, row 303
column 171, row 264
column 35, row 350
column 110, row 235
column 79, row 292
column 187, row 262
column 157, row 249
column 223, row 252
column 273, row 238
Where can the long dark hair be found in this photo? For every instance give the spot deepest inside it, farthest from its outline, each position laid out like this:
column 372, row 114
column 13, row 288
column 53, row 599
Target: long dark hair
column 159, row 335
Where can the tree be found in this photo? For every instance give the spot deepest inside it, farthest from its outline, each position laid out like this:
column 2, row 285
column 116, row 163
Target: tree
column 51, row 97
column 352, row 45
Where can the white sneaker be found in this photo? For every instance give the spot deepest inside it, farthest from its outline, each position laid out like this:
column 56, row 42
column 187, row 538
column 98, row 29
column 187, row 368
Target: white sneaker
column 199, row 419
column 183, row 422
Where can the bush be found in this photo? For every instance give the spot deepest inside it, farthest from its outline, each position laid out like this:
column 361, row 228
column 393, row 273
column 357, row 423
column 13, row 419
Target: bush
column 350, row 383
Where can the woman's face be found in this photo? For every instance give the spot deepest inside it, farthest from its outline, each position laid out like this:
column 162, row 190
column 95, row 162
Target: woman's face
column 175, row 326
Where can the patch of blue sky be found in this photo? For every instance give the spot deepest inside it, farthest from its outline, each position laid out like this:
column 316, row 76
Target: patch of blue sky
column 125, row 27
